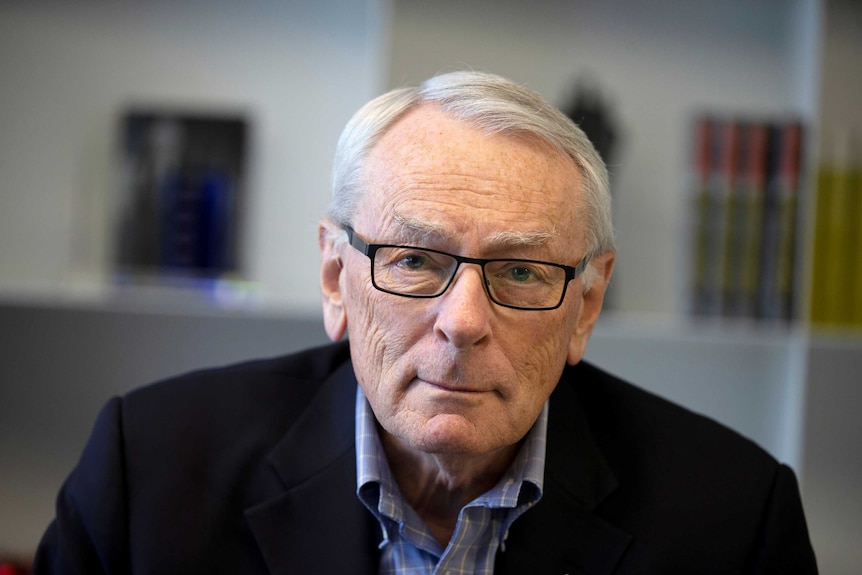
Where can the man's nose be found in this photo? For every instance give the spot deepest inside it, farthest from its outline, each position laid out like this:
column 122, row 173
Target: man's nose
column 464, row 311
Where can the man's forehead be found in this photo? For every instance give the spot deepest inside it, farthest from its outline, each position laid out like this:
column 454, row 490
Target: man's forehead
column 428, row 127
column 432, row 178
column 427, row 140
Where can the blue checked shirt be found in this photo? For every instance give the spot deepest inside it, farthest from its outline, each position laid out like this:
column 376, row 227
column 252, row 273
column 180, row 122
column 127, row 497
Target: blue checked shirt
column 408, row 547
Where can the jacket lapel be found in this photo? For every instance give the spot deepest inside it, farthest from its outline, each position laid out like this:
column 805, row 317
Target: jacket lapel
column 563, row 534
column 316, row 465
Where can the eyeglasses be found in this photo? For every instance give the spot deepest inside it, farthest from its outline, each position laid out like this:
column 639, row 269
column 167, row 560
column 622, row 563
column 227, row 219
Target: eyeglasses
column 425, row 273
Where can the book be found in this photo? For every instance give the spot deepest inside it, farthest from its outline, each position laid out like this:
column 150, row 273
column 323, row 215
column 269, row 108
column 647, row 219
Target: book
column 745, row 185
column 183, row 194
column 749, row 217
column 704, row 134
column 854, row 214
column 777, row 289
column 836, row 283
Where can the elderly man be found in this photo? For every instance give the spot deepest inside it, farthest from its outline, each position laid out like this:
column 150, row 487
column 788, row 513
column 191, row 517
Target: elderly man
column 465, row 256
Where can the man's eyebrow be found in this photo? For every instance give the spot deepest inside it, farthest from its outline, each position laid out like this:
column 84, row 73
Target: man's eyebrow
column 522, row 239
column 420, row 231
column 415, row 230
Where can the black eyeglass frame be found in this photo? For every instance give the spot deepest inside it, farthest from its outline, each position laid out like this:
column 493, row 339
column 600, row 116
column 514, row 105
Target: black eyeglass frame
column 370, row 250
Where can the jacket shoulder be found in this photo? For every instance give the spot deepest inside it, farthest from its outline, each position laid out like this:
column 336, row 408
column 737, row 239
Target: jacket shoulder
column 621, row 414
column 682, row 477
column 261, row 397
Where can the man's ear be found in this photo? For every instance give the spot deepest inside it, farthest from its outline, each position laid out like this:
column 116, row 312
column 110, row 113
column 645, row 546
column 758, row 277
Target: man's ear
column 334, row 316
column 591, row 306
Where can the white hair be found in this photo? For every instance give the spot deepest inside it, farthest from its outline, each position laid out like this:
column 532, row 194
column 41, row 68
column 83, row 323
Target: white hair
column 490, row 103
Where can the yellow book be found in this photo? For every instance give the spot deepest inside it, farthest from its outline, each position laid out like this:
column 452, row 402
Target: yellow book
column 854, row 191
column 819, row 313
column 833, row 265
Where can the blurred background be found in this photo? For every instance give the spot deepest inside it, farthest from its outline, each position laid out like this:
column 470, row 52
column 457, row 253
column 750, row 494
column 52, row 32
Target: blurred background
column 163, row 166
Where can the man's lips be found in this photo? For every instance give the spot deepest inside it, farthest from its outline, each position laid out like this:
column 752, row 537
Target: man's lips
column 450, row 387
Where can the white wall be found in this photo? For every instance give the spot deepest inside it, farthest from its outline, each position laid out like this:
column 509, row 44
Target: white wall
column 658, row 62
column 67, row 69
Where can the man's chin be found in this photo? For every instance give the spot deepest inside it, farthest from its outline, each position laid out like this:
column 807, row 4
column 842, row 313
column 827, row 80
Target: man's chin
column 452, row 435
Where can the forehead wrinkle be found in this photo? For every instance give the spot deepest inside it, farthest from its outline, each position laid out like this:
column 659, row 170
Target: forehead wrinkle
column 418, row 230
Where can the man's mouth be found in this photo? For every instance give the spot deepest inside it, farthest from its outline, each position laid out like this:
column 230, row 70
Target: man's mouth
column 450, row 387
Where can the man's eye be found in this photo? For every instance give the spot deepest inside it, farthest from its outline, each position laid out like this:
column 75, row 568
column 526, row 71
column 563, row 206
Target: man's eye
column 413, row 261
column 520, row 274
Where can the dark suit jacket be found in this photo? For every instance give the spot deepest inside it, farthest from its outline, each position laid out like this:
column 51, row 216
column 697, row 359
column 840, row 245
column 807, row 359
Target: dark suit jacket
column 251, row 469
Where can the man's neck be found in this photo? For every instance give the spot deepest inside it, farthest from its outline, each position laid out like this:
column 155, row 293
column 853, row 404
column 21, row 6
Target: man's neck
column 438, row 485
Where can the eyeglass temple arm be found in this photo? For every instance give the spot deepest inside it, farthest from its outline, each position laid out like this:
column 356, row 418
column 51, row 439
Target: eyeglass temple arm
column 355, row 240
